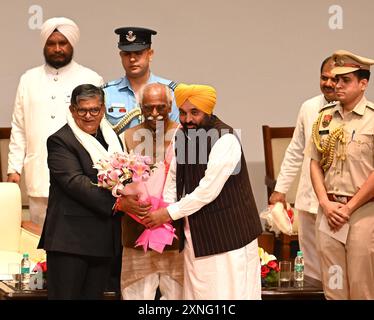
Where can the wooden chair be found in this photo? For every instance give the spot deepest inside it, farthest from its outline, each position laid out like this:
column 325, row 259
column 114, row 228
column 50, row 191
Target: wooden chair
column 276, row 141
column 266, row 241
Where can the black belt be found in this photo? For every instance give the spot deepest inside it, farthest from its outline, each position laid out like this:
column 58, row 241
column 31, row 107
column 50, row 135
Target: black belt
column 341, row 199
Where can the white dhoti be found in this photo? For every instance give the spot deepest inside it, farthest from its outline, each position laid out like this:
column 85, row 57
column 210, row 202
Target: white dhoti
column 142, row 272
column 145, row 288
column 232, row 275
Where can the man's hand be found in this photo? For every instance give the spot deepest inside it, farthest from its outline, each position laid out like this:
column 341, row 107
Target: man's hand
column 342, row 215
column 336, row 214
column 131, row 204
column 14, row 177
column 156, row 218
column 278, row 197
column 345, row 210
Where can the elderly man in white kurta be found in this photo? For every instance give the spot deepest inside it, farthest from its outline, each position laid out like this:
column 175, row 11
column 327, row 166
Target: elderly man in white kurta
column 41, row 105
column 208, row 187
column 306, row 201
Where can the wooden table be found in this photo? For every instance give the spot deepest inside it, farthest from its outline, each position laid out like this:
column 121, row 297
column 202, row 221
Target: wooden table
column 9, row 292
column 312, row 290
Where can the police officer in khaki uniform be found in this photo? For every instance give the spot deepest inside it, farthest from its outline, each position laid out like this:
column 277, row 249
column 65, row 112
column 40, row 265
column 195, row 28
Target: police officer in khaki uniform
column 342, row 167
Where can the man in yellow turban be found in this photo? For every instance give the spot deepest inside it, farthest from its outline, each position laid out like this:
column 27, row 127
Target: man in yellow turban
column 203, row 97
column 208, row 186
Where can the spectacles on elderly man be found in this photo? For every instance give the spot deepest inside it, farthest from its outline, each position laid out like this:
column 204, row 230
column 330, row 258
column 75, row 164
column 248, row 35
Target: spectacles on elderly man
column 83, row 112
column 149, row 108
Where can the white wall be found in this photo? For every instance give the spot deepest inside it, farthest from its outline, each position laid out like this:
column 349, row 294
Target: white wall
column 263, row 57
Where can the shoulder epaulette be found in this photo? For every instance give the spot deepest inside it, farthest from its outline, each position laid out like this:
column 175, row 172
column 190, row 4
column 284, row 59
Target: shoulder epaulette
column 111, row 83
column 329, row 105
column 172, row 85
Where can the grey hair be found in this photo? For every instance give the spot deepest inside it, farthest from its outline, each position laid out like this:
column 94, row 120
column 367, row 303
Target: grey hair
column 169, row 97
column 85, row 92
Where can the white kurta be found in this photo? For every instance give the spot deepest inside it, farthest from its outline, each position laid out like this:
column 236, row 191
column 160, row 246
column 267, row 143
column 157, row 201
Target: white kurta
column 294, row 158
column 229, row 275
column 41, row 104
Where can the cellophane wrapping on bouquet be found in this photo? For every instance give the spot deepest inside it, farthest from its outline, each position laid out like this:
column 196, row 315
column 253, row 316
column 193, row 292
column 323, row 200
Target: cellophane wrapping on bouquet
column 135, row 176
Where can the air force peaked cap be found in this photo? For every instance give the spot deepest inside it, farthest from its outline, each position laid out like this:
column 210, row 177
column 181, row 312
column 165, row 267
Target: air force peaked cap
column 134, row 38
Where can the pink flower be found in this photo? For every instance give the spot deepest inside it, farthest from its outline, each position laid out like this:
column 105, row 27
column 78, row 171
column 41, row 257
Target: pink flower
column 140, row 172
column 114, row 175
column 120, row 169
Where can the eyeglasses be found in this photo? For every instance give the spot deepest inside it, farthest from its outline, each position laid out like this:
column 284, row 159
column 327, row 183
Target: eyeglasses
column 83, row 112
column 148, row 108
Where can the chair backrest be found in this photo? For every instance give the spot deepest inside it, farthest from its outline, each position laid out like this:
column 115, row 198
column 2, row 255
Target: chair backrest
column 276, row 141
column 4, row 150
column 10, row 216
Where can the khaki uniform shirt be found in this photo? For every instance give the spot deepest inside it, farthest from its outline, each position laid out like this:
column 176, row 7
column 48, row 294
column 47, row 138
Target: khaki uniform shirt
column 345, row 177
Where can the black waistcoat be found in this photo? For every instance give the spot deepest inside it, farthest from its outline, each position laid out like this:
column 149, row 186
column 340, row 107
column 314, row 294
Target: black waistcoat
column 229, row 222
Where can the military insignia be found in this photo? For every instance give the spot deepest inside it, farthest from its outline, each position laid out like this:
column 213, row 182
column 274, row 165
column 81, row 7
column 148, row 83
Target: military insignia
column 339, row 61
column 172, row 85
column 326, row 120
column 130, row 36
column 120, row 107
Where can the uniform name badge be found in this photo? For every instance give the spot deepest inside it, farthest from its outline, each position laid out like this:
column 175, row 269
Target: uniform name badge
column 326, row 120
column 120, row 107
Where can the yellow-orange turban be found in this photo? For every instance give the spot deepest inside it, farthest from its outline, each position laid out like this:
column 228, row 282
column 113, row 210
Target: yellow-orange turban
column 201, row 96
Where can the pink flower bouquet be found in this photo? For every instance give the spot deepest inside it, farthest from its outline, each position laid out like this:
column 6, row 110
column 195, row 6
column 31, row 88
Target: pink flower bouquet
column 134, row 175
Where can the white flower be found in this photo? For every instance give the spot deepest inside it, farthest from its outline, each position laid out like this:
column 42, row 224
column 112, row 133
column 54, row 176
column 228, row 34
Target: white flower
column 265, row 257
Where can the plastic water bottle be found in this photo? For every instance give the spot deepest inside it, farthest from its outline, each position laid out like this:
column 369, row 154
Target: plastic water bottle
column 299, row 269
column 25, row 269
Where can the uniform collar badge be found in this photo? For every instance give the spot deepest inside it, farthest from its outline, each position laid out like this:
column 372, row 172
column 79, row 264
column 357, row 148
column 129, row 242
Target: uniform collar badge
column 326, row 120
column 130, row 36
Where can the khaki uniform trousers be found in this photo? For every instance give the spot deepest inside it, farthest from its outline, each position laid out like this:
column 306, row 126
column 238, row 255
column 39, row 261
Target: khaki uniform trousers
column 348, row 269
column 308, row 243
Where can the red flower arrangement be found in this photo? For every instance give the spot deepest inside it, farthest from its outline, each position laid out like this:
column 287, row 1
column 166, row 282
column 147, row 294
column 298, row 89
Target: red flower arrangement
column 41, row 265
column 269, row 268
column 38, row 280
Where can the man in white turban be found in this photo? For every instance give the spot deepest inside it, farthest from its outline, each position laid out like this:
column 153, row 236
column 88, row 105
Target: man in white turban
column 40, row 109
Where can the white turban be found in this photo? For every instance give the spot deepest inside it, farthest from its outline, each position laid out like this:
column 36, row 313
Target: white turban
column 64, row 25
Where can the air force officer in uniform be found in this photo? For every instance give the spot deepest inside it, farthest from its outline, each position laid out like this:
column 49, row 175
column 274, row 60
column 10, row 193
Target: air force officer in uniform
column 122, row 101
